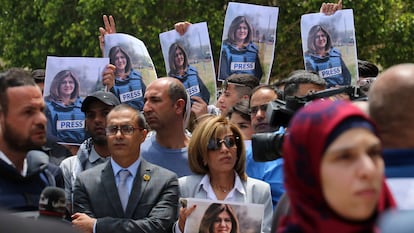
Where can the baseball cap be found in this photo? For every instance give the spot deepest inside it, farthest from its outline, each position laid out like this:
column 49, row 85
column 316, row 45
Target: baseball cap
column 38, row 74
column 105, row 97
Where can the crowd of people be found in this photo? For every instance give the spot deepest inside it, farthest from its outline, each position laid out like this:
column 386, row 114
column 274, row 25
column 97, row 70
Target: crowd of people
column 343, row 162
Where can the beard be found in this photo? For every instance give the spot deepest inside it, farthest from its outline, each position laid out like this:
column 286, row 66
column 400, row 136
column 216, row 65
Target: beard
column 17, row 142
column 99, row 140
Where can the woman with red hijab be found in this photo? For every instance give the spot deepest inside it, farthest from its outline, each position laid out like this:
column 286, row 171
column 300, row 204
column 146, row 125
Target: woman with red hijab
column 334, row 171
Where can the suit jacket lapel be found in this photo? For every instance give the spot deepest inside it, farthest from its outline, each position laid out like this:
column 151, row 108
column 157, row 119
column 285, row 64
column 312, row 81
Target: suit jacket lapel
column 111, row 191
column 139, row 187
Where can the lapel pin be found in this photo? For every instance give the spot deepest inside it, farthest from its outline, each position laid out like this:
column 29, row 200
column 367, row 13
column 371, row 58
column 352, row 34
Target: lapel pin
column 146, row 177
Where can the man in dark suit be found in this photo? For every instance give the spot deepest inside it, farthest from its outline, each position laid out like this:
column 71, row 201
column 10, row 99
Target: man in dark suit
column 152, row 191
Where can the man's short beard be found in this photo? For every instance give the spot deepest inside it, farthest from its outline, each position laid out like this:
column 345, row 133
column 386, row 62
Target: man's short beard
column 17, row 142
column 99, row 140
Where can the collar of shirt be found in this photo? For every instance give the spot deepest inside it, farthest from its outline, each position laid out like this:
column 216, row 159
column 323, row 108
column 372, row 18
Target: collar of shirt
column 94, row 156
column 8, row 161
column 133, row 169
column 231, row 196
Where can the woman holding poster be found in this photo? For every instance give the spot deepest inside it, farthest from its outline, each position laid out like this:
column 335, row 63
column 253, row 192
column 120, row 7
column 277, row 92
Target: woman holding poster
column 217, row 157
column 66, row 121
column 325, row 59
column 239, row 54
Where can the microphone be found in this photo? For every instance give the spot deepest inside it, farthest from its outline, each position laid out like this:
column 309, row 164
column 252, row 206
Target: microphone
column 52, row 202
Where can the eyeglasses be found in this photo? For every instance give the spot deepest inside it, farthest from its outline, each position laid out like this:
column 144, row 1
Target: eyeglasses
column 215, row 143
column 255, row 109
column 125, row 129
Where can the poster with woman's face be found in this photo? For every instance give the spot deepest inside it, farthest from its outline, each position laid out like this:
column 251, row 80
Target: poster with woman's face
column 68, row 80
column 129, row 54
column 189, row 59
column 222, row 216
column 87, row 70
column 329, row 47
column 249, row 38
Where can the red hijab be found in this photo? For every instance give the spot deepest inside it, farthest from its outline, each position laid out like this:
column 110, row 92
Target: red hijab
column 303, row 148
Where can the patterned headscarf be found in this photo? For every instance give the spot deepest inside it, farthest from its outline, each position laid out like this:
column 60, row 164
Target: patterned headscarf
column 310, row 132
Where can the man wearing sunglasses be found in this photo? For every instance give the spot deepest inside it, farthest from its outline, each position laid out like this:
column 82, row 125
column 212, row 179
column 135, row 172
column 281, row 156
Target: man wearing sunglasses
column 94, row 150
column 127, row 193
column 235, row 88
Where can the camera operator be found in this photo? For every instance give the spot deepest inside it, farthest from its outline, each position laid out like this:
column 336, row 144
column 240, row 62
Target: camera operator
column 270, row 171
column 302, row 82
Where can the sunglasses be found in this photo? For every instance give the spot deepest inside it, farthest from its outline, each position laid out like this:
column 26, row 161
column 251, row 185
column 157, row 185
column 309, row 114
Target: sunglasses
column 255, row 109
column 125, row 129
column 215, row 143
column 226, row 84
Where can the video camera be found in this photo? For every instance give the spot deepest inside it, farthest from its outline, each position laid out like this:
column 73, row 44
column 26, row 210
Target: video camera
column 268, row 146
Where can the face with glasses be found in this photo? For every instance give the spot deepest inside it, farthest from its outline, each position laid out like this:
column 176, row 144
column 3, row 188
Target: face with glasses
column 222, row 152
column 258, row 107
column 124, row 135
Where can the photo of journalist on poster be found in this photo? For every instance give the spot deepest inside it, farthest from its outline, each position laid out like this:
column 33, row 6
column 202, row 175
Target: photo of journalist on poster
column 249, row 37
column 134, row 68
column 329, row 47
column 188, row 59
column 222, row 216
column 67, row 82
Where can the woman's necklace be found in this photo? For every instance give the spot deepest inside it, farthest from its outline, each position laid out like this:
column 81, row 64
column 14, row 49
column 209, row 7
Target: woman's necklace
column 221, row 188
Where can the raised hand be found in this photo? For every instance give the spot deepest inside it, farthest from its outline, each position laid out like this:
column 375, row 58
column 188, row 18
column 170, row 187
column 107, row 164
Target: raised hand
column 331, row 8
column 109, row 24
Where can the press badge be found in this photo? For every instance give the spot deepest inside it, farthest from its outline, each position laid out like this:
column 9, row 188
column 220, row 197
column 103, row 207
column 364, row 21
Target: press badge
column 242, row 66
column 127, row 96
column 330, row 72
column 70, row 124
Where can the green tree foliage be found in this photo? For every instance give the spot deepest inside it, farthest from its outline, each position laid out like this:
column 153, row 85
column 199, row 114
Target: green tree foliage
column 32, row 30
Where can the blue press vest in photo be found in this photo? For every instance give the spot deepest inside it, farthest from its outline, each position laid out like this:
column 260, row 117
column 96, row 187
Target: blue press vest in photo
column 330, row 67
column 242, row 60
column 193, row 84
column 130, row 90
column 67, row 122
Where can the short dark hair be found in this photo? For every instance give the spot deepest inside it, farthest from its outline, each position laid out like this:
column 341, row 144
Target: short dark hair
column 268, row 87
column 298, row 77
column 247, row 83
column 140, row 117
column 242, row 108
column 367, row 69
column 13, row 77
column 177, row 91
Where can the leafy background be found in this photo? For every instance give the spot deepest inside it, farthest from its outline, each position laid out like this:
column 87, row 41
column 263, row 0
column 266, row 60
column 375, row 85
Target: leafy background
column 32, row 30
